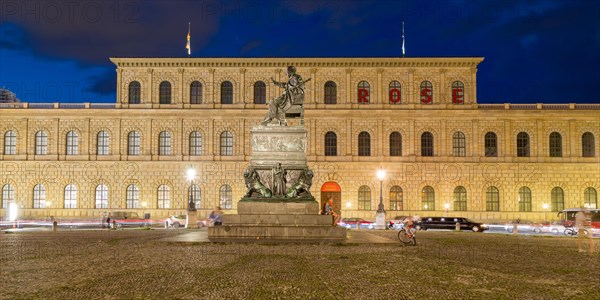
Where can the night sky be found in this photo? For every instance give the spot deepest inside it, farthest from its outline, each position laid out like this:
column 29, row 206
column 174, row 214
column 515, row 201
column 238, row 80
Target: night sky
column 535, row 51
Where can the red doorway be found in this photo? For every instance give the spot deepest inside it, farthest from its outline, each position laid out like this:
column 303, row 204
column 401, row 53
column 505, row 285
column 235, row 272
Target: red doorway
column 332, row 190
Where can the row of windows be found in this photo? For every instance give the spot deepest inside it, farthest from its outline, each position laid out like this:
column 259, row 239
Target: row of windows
column 396, row 197
column 363, row 92
column 492, row 198
column 102, row 196
column 459, row 144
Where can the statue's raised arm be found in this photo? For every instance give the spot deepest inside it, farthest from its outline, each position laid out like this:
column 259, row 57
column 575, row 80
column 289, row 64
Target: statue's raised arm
column 292, row 97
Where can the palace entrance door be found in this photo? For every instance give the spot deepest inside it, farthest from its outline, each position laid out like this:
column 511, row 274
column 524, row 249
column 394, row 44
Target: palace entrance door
column 332, row 190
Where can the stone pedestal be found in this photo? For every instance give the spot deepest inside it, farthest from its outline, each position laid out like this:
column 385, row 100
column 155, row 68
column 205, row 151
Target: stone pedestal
column 380, row 220
column 277, row 222
column 191, row 219
column 278, row 205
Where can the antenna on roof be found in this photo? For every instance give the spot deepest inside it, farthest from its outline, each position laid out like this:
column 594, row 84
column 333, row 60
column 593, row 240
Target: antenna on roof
column 188, row 46
column 403, row 49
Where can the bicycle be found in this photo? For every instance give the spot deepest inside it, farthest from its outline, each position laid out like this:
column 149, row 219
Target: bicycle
column 573, row 231
column 406, row 237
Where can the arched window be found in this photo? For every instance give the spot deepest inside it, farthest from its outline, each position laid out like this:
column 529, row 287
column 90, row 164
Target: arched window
column 164, row 92
column 396, row 198
column 195, row 194
column 330, row 144
column 557, row 199
column 426, row 92
column 226, row 197
column 102, row 143
column 226, row 92
column 71, row 196
column 588, row 145
column 523, row 144
column 426, row 144
column 101, row 196
column 428, row 198
column 134, row 143
column 226, row 143
column 195, row 143
column 458, row 92
column 135, row 93
column 196, row 92
column 10, row 143
column 330, row 92
column 395, row 92
column 260, row 92
column 460, row 198
column 459, row 144
column 72, row 143
column 590, row 198
column 363, row 92
column 41, row 143
column 364, row 198
column 492, row 199
column 491, row 144
column 8, row 195
column 364, row 144
column 524, row 199
column 164, row 143
column 555, row 144
column 164, row 197
column 395, row 144
column 133, row 196
column 39, row 196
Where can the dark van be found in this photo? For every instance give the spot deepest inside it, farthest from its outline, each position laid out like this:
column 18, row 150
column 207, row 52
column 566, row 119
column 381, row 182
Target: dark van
column 449, row 223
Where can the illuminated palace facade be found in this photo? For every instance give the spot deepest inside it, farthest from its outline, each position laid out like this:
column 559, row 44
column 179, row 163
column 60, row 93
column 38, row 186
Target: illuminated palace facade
column 416, row 118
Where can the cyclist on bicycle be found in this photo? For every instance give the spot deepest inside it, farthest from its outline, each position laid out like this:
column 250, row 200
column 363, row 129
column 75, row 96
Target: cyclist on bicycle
column 408, row 226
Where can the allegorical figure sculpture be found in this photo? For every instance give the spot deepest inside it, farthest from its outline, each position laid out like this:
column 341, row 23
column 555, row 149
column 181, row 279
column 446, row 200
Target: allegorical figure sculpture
column 294, row 93
column 254, row 185
column 302, row 187
column 278, row 186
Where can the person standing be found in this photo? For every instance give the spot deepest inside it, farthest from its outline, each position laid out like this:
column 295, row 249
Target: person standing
column 580, row 223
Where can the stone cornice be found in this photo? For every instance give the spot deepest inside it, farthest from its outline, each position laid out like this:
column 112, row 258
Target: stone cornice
column 317, row 62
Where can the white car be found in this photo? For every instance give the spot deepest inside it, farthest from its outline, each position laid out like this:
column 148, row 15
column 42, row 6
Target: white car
column 177, row 221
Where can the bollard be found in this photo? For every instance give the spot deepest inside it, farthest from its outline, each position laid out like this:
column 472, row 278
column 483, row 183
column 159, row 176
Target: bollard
column 516, row 228
column 457, row 226
column 54, row 225
column 114, row 224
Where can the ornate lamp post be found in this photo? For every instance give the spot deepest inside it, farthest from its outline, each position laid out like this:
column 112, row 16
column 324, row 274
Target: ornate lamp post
column 191, row 207
column 47, row 205
column 545, row 206
column 380, row 216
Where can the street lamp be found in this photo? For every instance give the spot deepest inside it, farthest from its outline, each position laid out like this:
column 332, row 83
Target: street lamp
column 144, row 204
column 447, row 207
column 545, row 206
column 190, row 216
column 191, row 175
column 380, row 216
column 48, row 204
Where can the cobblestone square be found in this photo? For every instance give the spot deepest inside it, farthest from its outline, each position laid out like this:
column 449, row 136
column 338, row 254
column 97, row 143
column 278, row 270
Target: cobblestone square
column 136, row 264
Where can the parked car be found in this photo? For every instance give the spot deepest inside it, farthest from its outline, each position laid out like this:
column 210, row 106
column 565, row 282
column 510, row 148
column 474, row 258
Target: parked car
column 128, row 219
column 354, row 222
column 556, row 227
column 449, row 223
column 523, row 226
column 176, row 221
column 396, row 223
